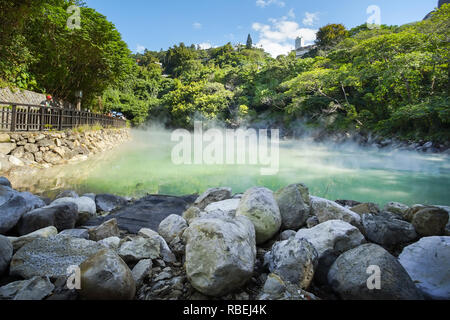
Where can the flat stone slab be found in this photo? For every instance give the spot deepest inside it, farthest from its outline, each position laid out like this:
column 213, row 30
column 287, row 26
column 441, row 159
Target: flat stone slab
column 147, row 212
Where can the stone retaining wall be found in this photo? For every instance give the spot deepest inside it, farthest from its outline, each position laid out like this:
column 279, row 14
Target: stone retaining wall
column 45, row 149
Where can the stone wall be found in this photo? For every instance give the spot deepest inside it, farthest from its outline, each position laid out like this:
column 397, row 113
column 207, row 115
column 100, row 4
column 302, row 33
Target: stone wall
column 45, row 149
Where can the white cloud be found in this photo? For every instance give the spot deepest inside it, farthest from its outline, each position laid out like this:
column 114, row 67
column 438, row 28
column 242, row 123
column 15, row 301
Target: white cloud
column 265, row 3
column 197, row 25
column 279, row 37
column 310, row 19
column 291, row 14
column 205, row 45
column 140, row 48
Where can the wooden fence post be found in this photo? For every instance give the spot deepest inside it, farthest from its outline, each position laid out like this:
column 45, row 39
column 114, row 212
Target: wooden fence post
column 13, row 118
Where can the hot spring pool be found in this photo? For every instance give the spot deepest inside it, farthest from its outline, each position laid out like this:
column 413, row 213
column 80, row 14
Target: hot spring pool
column 334, row 172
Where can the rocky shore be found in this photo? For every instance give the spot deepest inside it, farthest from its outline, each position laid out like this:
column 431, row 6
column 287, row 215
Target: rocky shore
column 47, row 149
column 260, row 245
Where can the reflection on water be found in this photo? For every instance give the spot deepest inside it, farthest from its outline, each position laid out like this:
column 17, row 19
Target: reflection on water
column 334, row 172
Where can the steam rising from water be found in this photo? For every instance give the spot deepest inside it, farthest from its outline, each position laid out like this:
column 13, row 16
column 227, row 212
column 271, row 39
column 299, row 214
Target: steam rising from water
column 346, row 171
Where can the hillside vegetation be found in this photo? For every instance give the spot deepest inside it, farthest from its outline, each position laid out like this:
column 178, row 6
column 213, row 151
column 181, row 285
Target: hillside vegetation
column 392, row 81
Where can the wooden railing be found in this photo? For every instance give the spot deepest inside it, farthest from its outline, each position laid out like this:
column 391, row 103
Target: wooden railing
column 29, row 117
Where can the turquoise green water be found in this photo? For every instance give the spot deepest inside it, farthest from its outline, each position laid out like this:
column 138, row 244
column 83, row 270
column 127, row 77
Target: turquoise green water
column 345, row 172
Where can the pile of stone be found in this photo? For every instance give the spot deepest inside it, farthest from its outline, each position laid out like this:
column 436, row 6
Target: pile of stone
column 286, row 245
column 45, row 149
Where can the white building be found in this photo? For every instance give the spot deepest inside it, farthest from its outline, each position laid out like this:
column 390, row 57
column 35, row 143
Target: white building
column 300, row 48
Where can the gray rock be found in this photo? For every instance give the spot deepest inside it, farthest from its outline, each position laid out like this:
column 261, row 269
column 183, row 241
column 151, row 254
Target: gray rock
column 220, row 254
column 19, row 242
column 331, row 239
column 6, row 193
column 227, row 207
column 431, row 221
column 51, row 256
column 326, row 210
column 112, row 243
column 286, row 234
column 7, row 147
column 5, row 182
column 139, row 248
column 212, row 195
column 165, row 252
column 6, row 252
column 62, row 217
column 36, row 288
column 142, row 270
column 147, row 212
column 67, row 194
column 109, row 202
column 333, row 235
column 105, row 230
column 171, row 227
column 277, row 289
column 386, row 231
column 312, row 222
column 105, row 276
column 18, row 152
column 32, row 201
column 259, row 205
column 428, row 264
column 396, row 208
column 192, row 213
column 89, row 195
column 294, row 209
column 367, row 207
column 84, row 204
column 294, row 260
column 75, row 233
column 349, row 276
column 11, row 212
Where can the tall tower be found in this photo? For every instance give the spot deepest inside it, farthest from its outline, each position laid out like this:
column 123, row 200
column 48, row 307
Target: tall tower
column 299, row 43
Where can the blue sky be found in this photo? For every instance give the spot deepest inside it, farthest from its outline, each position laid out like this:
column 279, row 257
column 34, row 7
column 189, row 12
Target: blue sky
column 273, row 24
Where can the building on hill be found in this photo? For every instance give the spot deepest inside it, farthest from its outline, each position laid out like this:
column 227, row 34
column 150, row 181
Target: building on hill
column 300, row 48
column 440, row 4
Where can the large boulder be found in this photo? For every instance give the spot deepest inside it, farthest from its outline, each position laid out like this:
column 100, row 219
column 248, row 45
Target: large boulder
column 294, row 208
column 212, row 195
column 165, row 252
column 326, row 210
column 171, row 227
column 19, row 242
column 387, row 231
column 51, row 256
column 62, row 217
column 220, row 254
column 105, row 230
column 105, row 276
column 32, row 201
column 430, row 221
column 350, row 276
column 428, row 264
column 36, row 288
column 294, row 260
column 7, row 147
column 109, row 202
column 259, row 205
column 11, row 212
column 139, row 248
column 6, row 252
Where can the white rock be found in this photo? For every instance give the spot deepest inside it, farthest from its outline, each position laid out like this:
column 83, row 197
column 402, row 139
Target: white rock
column 84, row 204
column 23, row 240
column 171, row 227
column 228, row 207
column 428, row 264
column 326, row 210
column 335, row 235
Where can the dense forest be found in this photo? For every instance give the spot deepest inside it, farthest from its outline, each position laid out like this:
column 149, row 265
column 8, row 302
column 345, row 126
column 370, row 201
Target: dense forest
column 391, row 80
